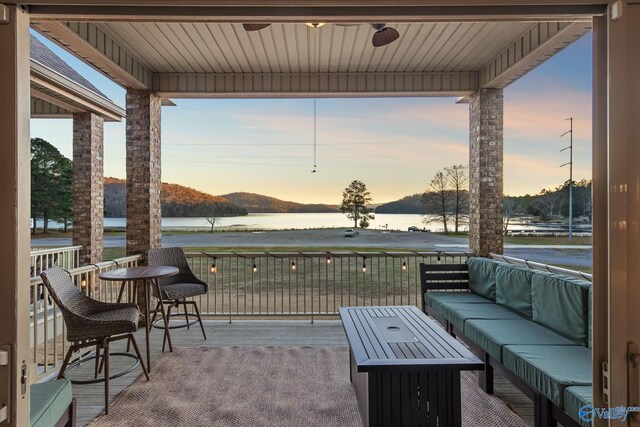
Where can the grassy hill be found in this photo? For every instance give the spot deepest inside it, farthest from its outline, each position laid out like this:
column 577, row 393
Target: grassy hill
column 177, row 201
column 181, row 201
column 407, row 205
column 257, row 203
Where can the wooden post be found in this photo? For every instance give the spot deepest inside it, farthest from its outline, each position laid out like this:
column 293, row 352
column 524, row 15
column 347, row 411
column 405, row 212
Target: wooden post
column 600, row 297
column 14, row 216
column 623, row 202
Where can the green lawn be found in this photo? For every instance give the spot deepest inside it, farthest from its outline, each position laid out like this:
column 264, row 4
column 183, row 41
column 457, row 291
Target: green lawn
column 112, row 253
column 543, row 240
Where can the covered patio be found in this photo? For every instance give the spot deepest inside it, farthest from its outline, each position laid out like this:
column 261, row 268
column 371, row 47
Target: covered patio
column 202, row 49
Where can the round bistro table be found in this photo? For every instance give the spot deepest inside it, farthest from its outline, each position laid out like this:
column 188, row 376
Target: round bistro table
column 149, row 277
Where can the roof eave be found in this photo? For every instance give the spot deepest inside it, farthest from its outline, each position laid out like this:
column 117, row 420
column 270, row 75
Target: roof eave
column 76, row 93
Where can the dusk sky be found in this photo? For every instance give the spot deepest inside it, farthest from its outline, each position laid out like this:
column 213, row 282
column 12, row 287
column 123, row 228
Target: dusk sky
column 394, row 145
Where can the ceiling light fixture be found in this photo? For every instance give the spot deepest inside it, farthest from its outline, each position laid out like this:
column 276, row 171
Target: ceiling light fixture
column 314, row 24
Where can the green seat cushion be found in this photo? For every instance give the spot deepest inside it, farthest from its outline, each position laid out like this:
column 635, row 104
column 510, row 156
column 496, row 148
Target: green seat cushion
column 433, row 299
column 513, row 288
column 459, row 312
column 492, row 335
column 576, row 397
column 550, row 369
column 562, row 304
column 482, row 276
column 49, row 400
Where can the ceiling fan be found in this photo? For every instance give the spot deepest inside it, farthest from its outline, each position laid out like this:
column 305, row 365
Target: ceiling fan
column 383, row 35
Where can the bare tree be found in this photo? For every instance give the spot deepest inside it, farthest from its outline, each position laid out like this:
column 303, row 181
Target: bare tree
column 548, row 202
column 508, row 210
column 214, row 213
column 458, row 182
column 436, row 200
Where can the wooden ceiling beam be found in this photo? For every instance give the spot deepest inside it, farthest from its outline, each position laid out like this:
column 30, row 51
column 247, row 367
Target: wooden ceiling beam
column 538, row 44
column 314, row 85
column 86, row 41
column 160, row 12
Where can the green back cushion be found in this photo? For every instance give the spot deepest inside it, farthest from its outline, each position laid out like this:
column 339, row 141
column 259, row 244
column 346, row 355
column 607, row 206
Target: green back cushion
column 513, row 288
column 482, row 277
column 562, row 304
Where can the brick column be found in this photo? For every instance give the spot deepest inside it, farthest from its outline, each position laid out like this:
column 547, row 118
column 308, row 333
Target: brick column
column 143, row 171
column 485, row 171
column 88, row 186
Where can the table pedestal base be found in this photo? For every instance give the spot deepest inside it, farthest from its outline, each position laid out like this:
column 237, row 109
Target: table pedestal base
column 395, row 398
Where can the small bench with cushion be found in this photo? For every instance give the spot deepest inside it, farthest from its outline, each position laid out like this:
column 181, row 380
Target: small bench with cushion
column 52, row 404
column 533, row 326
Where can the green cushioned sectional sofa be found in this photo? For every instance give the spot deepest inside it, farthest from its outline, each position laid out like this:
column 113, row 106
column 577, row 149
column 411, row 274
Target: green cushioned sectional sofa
column 533, row 326
column 52, row 404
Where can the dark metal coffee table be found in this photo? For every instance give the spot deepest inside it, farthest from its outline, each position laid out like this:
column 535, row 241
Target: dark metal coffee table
column 404, row 367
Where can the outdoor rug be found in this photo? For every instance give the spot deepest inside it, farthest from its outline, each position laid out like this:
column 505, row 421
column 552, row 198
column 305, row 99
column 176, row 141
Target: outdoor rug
column 265, row 386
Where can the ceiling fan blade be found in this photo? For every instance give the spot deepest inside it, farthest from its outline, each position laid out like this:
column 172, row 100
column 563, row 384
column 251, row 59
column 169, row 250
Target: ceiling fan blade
column 385, row 36
column 254, row 27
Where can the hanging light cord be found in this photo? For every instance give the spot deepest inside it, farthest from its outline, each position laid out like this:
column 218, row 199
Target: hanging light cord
column 315, row 119
column 315, row 99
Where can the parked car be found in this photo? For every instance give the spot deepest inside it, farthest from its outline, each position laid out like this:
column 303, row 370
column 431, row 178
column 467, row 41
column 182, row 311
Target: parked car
column 413, row 228
column 350, row 233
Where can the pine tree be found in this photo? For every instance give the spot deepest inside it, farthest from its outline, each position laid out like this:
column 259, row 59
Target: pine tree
column 355, row 201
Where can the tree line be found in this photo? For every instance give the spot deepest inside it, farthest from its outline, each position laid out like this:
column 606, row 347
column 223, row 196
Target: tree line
column 52, row 193
column 446, row 198
column 552, row 203
column 51, row 185
column 446, row 201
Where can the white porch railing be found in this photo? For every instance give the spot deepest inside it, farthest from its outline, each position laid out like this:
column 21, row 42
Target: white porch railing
column 42, row 258
column 48, row 340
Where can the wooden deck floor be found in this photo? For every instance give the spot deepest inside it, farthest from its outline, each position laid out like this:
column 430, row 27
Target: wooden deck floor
column 249, row 333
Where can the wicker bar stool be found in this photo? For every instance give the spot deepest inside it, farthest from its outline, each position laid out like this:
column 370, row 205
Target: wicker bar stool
column 92, row 323
column 176, row 289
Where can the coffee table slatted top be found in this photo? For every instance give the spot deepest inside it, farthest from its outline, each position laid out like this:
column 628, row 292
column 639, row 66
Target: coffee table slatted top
column 402, row 337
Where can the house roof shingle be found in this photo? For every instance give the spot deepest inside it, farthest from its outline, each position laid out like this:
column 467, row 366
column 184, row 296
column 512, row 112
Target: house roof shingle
column 46, row 57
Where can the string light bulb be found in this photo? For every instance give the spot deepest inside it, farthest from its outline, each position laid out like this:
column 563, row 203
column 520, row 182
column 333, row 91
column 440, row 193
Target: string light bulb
column 255, row 267
column 83, row 282
column 214, row 267
column 364, row 264
column 293, row 265
column 328, row 260
column 404, row 265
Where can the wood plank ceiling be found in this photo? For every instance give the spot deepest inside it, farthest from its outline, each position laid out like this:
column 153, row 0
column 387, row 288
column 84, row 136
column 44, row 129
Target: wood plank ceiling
column 296, row 48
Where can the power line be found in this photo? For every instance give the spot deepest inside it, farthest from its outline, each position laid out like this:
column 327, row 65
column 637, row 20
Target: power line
column 570, row 163
column 267, row 144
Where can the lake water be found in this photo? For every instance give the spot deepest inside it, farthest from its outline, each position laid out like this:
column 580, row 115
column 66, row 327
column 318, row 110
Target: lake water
column 287, row 221
column 280, row 221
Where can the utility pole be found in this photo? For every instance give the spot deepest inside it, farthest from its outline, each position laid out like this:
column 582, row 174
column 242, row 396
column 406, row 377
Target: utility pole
column 570, row 163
